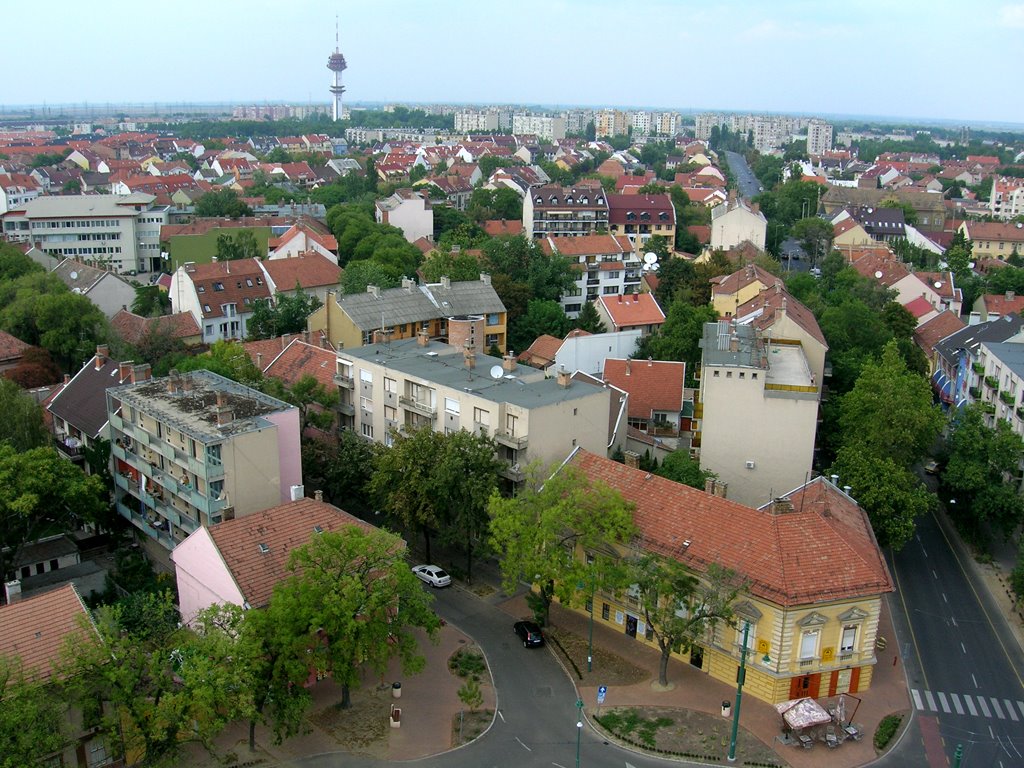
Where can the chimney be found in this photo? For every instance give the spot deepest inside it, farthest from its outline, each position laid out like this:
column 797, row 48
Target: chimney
column 172, row 382
column 485, row 278
column 373, row 289
column 619, row 297
column 734, row 342
column 259, row 360
column 564, row 378
column 225, row 413
column 408, row 284
column 323, row 341
column 709, row 486
column 297, row 492
column 186, row 382
column 13, row 591
column 124, row 371
column 469, row 356
column 318, row 495
column 102, row 353
column 423, row 338
column 755, row 207
column 847, row 489
column 650, row 361
column 142, row 372
column 446, row 282
column 1009, row 296
column 835, row 480
column 305, row 336
column 379, row 337
column 508, row 361
column 781, row 506
column 632, row 459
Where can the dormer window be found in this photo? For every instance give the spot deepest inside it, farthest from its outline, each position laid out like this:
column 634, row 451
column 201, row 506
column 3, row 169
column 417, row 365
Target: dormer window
column 539, row 200
column 663, row 216
column 584, row 200
column 206, row 308
column 248, row 281
column 201, row 289
column 630, row 215
column 218, row 286
column 259, row 281
column 645, row 215
column 568, row 201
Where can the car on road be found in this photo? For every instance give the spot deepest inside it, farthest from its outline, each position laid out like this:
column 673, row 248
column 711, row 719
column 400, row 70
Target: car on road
column 529, row 633
column 931, row 467
column 434, row 575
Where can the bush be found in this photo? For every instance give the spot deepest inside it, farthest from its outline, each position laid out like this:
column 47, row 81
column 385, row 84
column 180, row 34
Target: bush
column 466, row 663
column 886, row 730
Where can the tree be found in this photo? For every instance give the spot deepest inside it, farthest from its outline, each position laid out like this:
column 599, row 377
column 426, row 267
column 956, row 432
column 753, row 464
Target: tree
column 532, row 532
column 680, row 468
column 227, row 358
column 675, row 276
column 470, row 694
column 815, row 236
column 353, row 599
column 542, row 317
column 151, row 301
column 343, row 471
column 241, row 245
column 503, row 203
column 360, row 274
column 315, row 401
column 458, row 267
column 22, row 427
column 287, row 314
column 39, row 492
column 890, row 493
column 889, row 412
column 547, row 275
column 679, row 336
column 221, row 203
column 589, row 320
column 35, row 369
column 909, row 214
column 15, row 264
column 679, row 609
column 33, row 722
column 168, row 685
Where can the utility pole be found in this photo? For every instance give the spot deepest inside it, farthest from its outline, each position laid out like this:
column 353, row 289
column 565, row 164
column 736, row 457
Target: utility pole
column 739, row 693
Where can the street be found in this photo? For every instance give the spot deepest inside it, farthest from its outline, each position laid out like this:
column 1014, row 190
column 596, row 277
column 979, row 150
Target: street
column 962, row 663
column 745, row 178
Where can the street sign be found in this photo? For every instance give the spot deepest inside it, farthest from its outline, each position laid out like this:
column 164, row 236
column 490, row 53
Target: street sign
column 601, row 691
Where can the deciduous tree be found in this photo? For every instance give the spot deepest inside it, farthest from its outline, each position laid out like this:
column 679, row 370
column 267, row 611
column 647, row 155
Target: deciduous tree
column 589, row 320
column 680, row 468
column 33, row 722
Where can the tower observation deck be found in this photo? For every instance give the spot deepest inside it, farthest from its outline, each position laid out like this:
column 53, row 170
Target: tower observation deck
column 337, row 64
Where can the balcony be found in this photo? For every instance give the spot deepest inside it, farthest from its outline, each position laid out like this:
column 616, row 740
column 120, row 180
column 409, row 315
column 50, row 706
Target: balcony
column 72, row 452
column 1007, row 397
column 978, row 368
column 974, row 392
column 512, row 472
column 344, row 381
column 504, row 437
column 346, row 408
column 424, row 409
column 988, row 408
column 992, row 382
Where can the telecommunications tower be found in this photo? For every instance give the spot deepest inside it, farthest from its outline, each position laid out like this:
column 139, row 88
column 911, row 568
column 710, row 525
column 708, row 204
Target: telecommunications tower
column 336, row 63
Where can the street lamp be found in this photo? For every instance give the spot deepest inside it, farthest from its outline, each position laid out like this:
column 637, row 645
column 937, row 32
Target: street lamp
column 739, row 692
column 590, row 639
column 579, row 728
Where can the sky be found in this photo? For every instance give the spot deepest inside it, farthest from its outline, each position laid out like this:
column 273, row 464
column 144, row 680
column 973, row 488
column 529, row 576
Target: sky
column 932, row 59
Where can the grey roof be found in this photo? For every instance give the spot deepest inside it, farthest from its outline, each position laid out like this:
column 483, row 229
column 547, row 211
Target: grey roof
column 717, row 341
column 86, row 205
column 397, row 306
column 81, row 278
column 972, row 336
column 46, row 549
column 82, row 401
column 1010, row 354
column 442, row 365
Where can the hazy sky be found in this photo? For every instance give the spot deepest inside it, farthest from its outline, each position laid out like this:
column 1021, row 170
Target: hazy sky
column 905, row 58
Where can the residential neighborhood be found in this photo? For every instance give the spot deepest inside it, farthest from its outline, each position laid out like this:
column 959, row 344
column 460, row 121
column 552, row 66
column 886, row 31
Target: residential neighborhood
column 311, row 407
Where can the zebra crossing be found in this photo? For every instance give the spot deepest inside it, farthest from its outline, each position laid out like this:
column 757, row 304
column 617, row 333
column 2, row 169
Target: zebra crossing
column 968, row 704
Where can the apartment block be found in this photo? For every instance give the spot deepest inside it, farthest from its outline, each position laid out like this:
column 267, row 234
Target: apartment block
column 474, row 120
column 120, row 233
column 640, row 217
column 607, row 265
column 553, row 211
column 543, row 127
column 819, row 137
column 193, row 449
column 1007, row 200
column 389, row 387
column 611, row 122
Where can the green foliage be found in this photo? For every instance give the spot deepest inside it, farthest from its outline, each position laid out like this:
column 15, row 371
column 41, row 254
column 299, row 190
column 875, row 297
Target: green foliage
column 457, row 266
column 221, row 203
column 815, row 237
column 33, row 723
column 240, row 245
column 342, row 471
column 287, row 314
column 542, row 317
column 467, row 663
column 35, row 369
column 227, row 358
column 680, row 468
column 44, row 159
column 679, row 336
column 316, row 403
column 523, row 261
column 909, row 214
column 1017, row 574
column 630, row 725
column 532, row 531
column 470, row 694
column 360, row 238
column 151, row 301
column 503, row 203
column 15, row 264
column 360, row 274
column 788, row 203
column 22, row 426
column 886, row 730
column 589, row 320
column 768, row 170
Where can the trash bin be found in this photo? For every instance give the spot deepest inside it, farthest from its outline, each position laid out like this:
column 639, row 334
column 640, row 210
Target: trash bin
column 396, row 690
column 726, row 709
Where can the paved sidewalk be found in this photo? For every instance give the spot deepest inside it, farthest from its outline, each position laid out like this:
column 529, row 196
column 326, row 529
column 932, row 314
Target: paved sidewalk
column 696, row 690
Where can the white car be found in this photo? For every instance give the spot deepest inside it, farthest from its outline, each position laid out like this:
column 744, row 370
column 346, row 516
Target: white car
column 434, row 575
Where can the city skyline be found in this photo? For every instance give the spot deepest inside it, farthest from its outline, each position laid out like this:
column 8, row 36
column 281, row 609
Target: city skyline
column 798, row 57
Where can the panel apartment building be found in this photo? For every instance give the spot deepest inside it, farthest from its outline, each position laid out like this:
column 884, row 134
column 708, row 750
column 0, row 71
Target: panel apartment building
column 194, row 449
column 421, row 383
column 119, row 233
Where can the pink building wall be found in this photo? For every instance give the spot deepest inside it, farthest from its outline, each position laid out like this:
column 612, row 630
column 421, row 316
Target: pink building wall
column 288, row 449
column 203, row 577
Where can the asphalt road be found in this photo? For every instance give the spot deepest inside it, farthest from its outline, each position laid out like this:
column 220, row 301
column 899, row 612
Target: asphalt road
column 962, row 663
column 745, row 178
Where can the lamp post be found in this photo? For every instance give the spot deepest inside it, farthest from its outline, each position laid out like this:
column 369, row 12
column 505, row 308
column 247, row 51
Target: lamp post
column 590, row 639
column 579, row 728
column 739, row 693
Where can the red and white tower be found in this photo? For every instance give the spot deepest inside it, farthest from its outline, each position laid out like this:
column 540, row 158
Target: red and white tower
column 336, row 63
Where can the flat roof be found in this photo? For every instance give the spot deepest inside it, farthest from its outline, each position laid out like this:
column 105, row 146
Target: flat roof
column 86, row 205
column 442, row 365
column 726, row 344
column 193, row 407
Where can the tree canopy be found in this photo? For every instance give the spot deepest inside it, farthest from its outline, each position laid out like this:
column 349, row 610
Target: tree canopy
column 287, row 314
column 222, row 203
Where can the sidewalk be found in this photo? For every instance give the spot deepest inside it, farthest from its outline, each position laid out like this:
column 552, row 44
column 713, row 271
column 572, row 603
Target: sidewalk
column 696, row 690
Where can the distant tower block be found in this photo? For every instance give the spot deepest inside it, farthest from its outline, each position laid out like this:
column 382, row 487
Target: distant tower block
column 336, row 63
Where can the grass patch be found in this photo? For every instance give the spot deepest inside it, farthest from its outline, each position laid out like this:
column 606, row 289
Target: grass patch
column 629, row 724
column 886, row 730
column 467, row 662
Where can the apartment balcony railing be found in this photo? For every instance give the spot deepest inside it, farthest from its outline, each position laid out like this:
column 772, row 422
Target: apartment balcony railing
column 512, row 472
column 992, row 382
column 978, row 368
column 504, row 437
column 347, row 408
column 424, row 409
column 72, row 452
column 1007, row 397
column 344, row 381
column 974, row 392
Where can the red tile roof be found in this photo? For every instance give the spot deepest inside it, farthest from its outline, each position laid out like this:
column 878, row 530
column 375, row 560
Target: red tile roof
column 34, row 628
column 542, row 351
column 727, row 285
column 310, row 270
column 301, row 359
column 995, row 230
column 238, row 280
column 281, row 529
column 653, row 385
column 821, row 550
column 935, row 330
column 919, row 307
column 586, row 245
column 942, row 284
column 1003, row 303
column 134, row 328
column 325, row 239
column 11, row 347
column 883, row 268
column 621, row 206
column 632, row 310
column 764, row 309
column 496, row 227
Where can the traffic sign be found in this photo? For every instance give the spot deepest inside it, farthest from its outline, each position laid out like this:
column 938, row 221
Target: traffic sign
column 601, row 691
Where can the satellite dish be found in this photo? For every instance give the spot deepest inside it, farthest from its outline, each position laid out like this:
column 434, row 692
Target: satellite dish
column 937, row 283
column 878, row 275
column 497, row 371
column 74, row 275
column 650, row 258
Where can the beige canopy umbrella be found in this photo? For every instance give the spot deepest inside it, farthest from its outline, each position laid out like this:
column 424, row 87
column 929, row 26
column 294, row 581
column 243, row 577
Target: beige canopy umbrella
column 803, row 713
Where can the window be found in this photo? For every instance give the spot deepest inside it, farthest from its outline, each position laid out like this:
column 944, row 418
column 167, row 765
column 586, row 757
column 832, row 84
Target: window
column 481, row 417
column 218, row 286
column 610, row 289
column 849, row 640
column 451, row 406
column 366, row 404
column 248, row 281
column 201, row 289
column 714, row 374
column 493, row 318
column 751, row 634
column 390, row 413
column 366, row 376
column 605, row 611
column 368, row 431
column 809, row 644
column 728, row 374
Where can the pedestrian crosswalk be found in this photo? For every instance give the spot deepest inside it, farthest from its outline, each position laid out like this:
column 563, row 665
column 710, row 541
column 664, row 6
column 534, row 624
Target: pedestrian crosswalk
column 968, row 704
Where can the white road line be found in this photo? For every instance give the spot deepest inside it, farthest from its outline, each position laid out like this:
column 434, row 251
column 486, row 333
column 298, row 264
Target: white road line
column 558, row 765
column 998, row 709
column 1010, row 711
column 501, row 716
column 934, row 574
column 953, row 620
column 944, row 703
column 991, row 732
column 984, row 708
column 944, row 598
column 917, row 698
column 1020, row 705
column 523, row 745
column 963, row 648
column 973, row 678
column 931, row 701
column 956, row 703
column 970, row 705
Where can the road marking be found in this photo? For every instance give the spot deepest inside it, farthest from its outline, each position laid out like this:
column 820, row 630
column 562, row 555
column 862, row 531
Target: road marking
column 991, row 732
column 917, row 698
column 963, row 648
column 953, row 619
column 970, row 705
column 943, row 702
column 984, row 708
column 934, row 574
column 973, row 678
column 998, row 709
column 956, row 703
column 523, row 745
column 1009, row 710
column 501, row 716
column 558, row 765
column 931, row 701
column 910, row 624
column 1020, row 704
column 944, row 598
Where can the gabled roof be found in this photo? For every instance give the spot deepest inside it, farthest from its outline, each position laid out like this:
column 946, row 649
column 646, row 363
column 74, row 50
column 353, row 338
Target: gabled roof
column 632, row 310
column 134, row 328
column 587, row 245
column 821, row 550
column 929, row 333
column 541, row 353
column 280, row 530
column 34, row 629
column 622, row 207
column 312, row 229
column 496, row 227
column 971, row 337
column 11, row 347
column 301, row 359
column 883, row 268
column 83, row 402
column 1002, row 303
column 227, row 282
column 727, row 285
column 919, row 307
column 309, row 270
column 995, row 230
column 764, row 309
column 653, row 385
column 942, row 283
column 81, row 278
column 416, row 303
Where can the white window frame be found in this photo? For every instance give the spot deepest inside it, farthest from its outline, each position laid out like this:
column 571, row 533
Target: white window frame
column 852, row 646
column 811, row 636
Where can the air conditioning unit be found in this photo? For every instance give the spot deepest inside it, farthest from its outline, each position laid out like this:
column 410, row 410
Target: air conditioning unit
column 750, row 465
